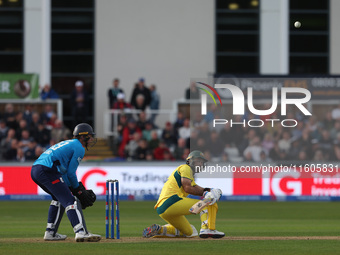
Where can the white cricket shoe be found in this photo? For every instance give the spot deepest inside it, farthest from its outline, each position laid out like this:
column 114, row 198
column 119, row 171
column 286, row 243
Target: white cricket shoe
column 50, row 236
column 81, row 236
column 205, row 233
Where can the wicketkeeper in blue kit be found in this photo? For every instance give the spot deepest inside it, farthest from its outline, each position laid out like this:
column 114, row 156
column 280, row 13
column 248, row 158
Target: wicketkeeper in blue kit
column 55, row 172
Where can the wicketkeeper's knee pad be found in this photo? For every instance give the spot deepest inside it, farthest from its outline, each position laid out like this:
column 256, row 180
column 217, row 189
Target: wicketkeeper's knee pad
column 75, row 217
column 55, row 214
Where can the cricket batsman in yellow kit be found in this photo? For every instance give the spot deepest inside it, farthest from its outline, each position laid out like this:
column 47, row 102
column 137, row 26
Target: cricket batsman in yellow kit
column 173, row 203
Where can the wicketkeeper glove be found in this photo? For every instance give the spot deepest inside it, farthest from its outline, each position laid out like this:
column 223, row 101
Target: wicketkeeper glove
column 86, row 197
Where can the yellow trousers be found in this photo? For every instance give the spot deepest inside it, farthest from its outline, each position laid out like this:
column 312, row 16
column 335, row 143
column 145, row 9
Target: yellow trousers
column 174, row 214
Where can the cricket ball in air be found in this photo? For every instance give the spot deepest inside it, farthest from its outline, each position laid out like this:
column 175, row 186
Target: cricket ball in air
column 297, row 24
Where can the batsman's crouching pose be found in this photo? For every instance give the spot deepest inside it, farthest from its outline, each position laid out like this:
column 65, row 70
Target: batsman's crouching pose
column 173, row 204
column 55, row 172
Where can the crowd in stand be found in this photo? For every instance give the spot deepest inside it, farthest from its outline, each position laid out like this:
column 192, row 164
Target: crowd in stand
column 24, row 135
column 312, row 139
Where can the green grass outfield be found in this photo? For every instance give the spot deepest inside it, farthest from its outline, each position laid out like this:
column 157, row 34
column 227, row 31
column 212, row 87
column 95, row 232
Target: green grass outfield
column 250, row 227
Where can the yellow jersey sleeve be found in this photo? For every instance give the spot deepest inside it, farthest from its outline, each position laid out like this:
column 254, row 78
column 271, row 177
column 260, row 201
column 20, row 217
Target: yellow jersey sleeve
column 173, row 186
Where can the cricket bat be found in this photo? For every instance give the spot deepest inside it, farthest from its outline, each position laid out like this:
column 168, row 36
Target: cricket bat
column 196, row 208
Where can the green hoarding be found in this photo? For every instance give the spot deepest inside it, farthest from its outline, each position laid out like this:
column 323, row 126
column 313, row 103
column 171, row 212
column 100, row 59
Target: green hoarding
column 19, row 86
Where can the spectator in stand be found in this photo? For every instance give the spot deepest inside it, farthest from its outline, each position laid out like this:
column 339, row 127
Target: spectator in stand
column 168, row 135
column 302, row 156
column 60, row 132
column 121, row 104
column 253, row 151
column 154, row 103
column 336, row 113
column 200, row 145
column 225, row 157
column 167, row 155
column 18, row 117
column 184, row 132
column 46, row 114
column 37, row 152
column 51, row 123
column 9, row 116
column 326, row 144
column 297, row 131
column 186, row 153
column 35, row 122
column 264, row 157
column 318, row 156
column 25, row 140
column 3, row 129
column 147, row 131
column 22, row 126
column 314, row 127
column 140, row 102
column 204, row 131
column 122, row 123
column 27, row 114
column 48, row 93
column 215, row 145
column 198, row 120
column 336, row 152
column 20, row 156
column 294, row 150
column 226, row 135
column 30, row 152
column 142, row 150
column 162, row 152
column 335, row 130
column 42, row 136
column 276, row 154
column 149, row 155
column 140, row 88
column 5, row 144
column 180, row 149
column 192, row 141
column 211, row 114
column 285, row 142
column 337, row 139
column 80, row 103
column 238, row 133
column 328, row 121
column 10, row 153
column 127, row 135
column 192, row 92
column 154, row 142
column 113, row 92
column 305, row 143
column 207, row 155
column 132, row 145
column 142, row 120
column 250, row 135
column 268, row 143
column 179, row 121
